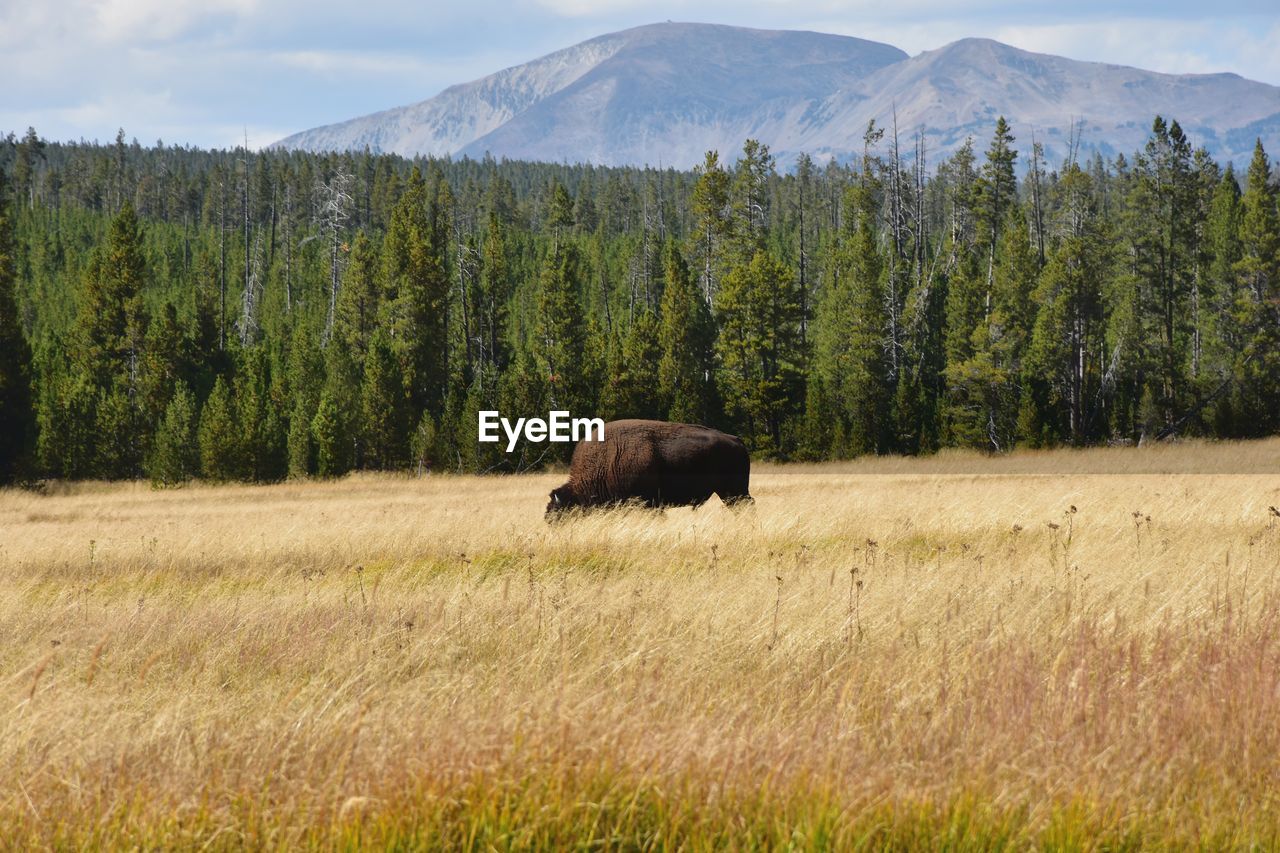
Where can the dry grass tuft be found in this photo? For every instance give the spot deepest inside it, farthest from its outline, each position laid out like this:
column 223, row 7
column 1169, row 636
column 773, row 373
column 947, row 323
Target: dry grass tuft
column 893, row 653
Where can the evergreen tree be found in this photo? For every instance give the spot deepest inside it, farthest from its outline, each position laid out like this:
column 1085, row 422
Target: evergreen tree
column 559, row 211
column 996, row 193
column 260, row 400
column 1162, row 219
column 761, row 358
column 495, row 295
column 1063, row 370
column 851, row 345
column 1258, row 301
column 17, row 415
column 1223, row 337
column 985, row 386
column 686, row 339
column 175, row 458
column 416, row 291
column 358, row 299
column 631, row 388
column 563, row 344
column 749, row 201
column 332, row 445
column 219, row 436
column 109, row 333
column 383, row 412
column 709, row 205
column 920, row 389
column 306, row 378
column 301, row 458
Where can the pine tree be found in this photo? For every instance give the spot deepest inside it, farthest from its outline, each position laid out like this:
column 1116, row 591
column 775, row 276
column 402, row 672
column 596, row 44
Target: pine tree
column 1063, row 370
column 300, row 451
column 686, row 381
column 749, row 202
column 109, row 337
column 996, row 192
column 414, row 310
column 17, row 414
column 1223, row 336
column 219, row 436
column 559, row 211
column 1161, row 223
column 65, row 417
column 162, row 366
column 495, row 294
column 851, row 327
column 332, row 444
column 28, row 153
column 631, row 387
column 709, row 205
column 921, row 384
column 175, row 458
column 1258, row 301
column 761, row 358
column 111, row 318
column 984, row 388
column 383, row 412
column 358, row 299
column 306, row 378
column 260, row 397
column 563, row 344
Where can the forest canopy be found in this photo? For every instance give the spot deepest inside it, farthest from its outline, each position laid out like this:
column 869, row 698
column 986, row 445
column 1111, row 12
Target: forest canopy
column 171, row 313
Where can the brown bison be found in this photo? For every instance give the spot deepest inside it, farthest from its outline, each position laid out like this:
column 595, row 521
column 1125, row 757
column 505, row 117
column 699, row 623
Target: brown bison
column 657, row 464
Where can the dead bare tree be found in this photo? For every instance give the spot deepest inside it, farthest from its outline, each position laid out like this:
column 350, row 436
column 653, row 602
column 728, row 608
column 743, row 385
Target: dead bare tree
column 248, row 322
column 333, row 206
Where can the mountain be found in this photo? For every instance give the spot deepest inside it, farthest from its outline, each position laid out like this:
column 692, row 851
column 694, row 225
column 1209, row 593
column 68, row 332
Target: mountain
column 665, row 94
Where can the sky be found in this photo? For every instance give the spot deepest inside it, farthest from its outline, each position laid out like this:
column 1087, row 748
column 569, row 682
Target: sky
column 212, row 73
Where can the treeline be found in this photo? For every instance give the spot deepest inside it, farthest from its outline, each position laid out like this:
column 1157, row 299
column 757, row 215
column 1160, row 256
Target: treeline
column 172, row 313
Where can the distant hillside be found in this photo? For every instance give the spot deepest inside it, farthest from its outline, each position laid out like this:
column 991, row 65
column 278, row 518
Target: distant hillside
column 667, row 93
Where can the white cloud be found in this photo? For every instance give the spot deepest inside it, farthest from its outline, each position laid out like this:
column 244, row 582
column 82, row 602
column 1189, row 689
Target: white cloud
column 355, row 62
column 154, row 20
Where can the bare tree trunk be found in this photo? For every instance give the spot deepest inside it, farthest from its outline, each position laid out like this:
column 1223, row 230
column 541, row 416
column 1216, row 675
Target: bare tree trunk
column 1037, row 208
column 244, row 208
column 222, row 264
column 288, row 248
column 804, row 284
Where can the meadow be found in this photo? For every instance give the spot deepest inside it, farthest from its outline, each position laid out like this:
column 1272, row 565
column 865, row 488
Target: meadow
column 1067, row 649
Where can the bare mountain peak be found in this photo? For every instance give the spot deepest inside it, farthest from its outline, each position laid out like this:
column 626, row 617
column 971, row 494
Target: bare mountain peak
column 668, row 92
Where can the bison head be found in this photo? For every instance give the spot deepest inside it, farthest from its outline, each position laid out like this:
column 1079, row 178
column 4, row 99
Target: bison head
column 562, row 500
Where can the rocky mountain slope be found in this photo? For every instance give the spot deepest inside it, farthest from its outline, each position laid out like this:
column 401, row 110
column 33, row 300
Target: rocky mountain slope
column 664, row 94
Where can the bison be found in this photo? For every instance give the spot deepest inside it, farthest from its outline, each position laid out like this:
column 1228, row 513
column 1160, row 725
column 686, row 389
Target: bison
column 656, row 463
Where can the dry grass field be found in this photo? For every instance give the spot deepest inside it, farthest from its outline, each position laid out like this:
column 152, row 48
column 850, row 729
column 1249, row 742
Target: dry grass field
column 1052, row 650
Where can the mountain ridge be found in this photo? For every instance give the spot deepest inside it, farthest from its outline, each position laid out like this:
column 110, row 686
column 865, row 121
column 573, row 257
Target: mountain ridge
column 667, row 93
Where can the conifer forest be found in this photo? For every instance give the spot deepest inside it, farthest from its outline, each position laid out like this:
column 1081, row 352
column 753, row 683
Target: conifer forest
column 172, row 313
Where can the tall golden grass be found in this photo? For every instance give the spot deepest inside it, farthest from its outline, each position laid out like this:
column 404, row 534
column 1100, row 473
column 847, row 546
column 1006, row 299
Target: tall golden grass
column 953, row 652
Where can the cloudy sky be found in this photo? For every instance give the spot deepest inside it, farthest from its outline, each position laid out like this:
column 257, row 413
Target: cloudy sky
column 206, row 72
